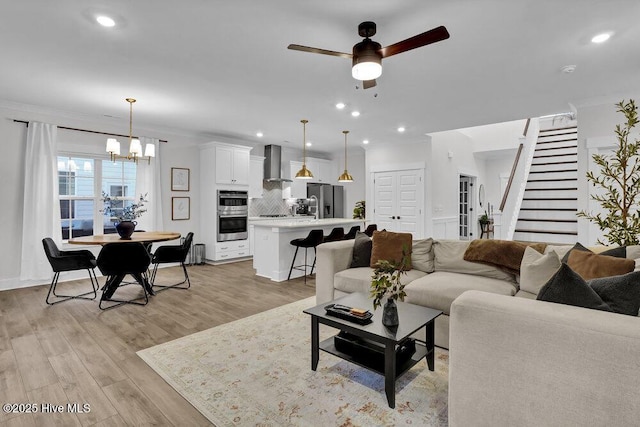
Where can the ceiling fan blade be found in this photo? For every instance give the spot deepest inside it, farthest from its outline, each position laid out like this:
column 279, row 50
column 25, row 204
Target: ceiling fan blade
column 366, row 84
column 432, row 36
column 317, row 50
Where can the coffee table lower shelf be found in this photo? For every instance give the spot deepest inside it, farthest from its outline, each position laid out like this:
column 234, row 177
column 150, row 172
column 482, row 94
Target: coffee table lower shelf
column 421, row 352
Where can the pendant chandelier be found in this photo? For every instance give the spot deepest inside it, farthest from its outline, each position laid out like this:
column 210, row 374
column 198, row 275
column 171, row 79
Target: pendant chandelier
column 304, row 173
column 135, row 148
column 345, row 177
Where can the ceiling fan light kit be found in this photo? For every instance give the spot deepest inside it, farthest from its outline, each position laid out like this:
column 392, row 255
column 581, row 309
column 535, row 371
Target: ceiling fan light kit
column 366, row 59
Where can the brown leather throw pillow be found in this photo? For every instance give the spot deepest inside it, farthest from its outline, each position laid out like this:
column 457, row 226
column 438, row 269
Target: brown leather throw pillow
column 388, row 245
column 592, row 266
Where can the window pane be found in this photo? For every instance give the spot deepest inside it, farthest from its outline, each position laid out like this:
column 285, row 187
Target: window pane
column 82, row 223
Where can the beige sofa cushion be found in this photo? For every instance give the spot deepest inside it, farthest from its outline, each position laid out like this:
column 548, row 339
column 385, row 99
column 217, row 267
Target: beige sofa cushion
column 449, row 256
column 439, row 289
column 422, row 255
column 525, row 294
column 359, row 279
column 536, row 269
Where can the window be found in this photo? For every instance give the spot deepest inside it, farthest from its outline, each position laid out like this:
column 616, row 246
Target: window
column 81, row 182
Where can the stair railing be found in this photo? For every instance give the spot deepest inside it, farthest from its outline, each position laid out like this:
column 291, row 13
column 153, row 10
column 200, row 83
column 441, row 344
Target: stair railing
column 514, row 192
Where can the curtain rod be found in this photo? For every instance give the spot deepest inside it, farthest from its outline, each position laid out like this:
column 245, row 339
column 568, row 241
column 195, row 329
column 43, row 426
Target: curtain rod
column 85, row 130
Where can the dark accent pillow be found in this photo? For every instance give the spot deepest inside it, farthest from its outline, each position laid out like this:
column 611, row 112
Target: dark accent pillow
column 389, row 246
column 621, row 293
column 567, row 287
column 619, row 252
column 361, row 250
column 593, row 266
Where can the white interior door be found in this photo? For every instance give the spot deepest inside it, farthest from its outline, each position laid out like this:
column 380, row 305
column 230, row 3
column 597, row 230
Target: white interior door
column 398, row 201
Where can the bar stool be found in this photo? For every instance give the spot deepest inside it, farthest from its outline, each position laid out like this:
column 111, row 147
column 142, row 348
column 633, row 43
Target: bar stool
column 311, row 241
column 352, row 233
column 370, row 229
column 335, row 235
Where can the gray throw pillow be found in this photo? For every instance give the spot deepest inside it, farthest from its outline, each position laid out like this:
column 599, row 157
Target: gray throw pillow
column 621, row 293
column 361, row 250
column 567, row 287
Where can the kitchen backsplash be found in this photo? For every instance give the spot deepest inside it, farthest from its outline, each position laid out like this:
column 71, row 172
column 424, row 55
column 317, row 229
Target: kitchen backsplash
column 271, row 202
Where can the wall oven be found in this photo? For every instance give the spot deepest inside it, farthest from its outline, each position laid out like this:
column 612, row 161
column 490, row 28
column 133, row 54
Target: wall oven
column 232, row 215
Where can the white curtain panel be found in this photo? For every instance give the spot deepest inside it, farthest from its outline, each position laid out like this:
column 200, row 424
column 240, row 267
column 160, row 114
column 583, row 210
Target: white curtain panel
column 41, row 208
column 149, row 181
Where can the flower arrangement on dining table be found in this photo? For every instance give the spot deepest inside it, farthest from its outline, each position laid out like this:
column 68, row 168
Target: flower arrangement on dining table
column 126, row 213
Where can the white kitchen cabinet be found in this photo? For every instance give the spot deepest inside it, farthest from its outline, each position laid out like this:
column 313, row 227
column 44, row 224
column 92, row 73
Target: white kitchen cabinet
column 232, row 165
column 322, row 170
column 232, row 249
column 256, row 175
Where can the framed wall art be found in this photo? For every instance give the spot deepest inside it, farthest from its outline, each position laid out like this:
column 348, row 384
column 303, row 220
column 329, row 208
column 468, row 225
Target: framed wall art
column 180, row 178
column 180, row 208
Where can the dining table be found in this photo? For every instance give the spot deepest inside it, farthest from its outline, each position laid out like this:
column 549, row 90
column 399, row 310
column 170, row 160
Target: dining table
column 142, row 237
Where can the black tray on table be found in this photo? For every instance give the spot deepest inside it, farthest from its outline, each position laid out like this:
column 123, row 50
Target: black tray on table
column 343, row 313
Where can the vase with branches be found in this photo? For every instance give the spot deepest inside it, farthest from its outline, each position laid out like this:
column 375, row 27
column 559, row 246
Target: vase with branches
column 618, row 182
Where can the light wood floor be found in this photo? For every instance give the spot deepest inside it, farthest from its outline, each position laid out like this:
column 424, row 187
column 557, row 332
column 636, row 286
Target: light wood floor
column 75, row 353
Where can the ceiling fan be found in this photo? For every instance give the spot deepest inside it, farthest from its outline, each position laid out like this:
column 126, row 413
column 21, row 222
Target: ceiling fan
column 367, row 55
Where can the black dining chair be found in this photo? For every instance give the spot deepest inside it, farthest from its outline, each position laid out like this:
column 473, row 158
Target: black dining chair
column 69, row 261
column 352, row 233
column 168, row 254
column 115, row 261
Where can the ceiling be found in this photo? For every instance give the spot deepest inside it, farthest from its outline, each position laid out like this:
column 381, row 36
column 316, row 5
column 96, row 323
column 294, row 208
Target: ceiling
column 217, row 68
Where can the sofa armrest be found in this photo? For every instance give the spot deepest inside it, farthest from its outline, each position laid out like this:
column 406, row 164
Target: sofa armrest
column 515, row 361
column 331, row 258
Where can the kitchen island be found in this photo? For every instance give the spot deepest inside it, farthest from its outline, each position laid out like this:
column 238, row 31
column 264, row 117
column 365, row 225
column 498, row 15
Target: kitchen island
column 272, row 249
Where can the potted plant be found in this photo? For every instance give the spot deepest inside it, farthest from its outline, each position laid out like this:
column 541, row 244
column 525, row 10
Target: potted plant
column 386, row 283
column 359, row 210
column 123, row 216
column 619, row 184
column 484, row 218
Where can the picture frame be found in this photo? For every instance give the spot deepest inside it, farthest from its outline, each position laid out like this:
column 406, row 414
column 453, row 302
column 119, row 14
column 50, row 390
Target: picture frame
column 180, row 208
column 180, row 179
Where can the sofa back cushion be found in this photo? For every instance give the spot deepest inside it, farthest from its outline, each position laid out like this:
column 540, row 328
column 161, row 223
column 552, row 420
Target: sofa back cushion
column 422, row 255
column 389, row 246
column 449, row 256
column 536, row 269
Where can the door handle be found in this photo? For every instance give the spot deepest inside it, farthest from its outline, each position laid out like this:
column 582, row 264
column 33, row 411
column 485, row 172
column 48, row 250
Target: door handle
column 393, row 217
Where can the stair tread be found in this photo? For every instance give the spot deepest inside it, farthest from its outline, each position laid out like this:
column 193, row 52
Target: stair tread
column 550, row 209
column 550, row 198
column 558, row 170
column 552, row 189
column 565, row 147
column 552, row 179
column 548, row 220
column 546, row 156
column 570, row 233
column 557, row 129
column 557, row 140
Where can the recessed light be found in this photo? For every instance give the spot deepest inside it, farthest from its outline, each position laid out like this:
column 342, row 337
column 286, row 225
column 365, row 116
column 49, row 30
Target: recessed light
column 568, row 69
column 105, row 21
column 340, row 105
column 355, row 113
column 401, row 129
column 365, row 141
column 601, row 38
column 308, row 144
column 259, row 134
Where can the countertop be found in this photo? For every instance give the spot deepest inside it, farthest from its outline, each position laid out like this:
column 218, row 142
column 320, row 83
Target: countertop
column 302, row 222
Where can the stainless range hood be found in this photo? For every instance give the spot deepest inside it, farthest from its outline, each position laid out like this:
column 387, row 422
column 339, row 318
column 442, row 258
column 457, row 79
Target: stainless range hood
column 273, row 164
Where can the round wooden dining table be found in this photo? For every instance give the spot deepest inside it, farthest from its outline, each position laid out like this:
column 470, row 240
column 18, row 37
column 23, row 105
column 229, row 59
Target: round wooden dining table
column 141, row 237
column 138, row 236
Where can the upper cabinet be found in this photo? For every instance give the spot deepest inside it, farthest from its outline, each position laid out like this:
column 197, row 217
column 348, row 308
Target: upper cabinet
column 256, row 170
column 322, row 170
column 232, row 164
column 297, row 189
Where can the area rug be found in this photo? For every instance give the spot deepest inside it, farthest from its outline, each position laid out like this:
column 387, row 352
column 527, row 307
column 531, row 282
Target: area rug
column 257, row 371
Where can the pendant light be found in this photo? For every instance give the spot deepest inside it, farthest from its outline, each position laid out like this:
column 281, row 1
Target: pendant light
column 345, row 177
column 304, row 173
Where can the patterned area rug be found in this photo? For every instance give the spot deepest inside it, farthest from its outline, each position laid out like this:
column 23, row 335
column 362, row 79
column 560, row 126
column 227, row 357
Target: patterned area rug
column 257, row 371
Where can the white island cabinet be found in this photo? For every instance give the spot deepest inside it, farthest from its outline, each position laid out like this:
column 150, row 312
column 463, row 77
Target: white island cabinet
column 272, row 248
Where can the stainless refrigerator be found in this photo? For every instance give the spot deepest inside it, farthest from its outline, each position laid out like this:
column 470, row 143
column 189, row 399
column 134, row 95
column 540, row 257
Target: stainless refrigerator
column 330, row 199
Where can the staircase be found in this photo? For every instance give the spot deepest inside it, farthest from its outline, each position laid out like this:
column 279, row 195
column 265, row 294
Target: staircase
column 549, row 206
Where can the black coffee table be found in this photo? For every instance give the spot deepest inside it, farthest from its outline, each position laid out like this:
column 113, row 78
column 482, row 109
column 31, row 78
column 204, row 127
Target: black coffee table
column 412, row 318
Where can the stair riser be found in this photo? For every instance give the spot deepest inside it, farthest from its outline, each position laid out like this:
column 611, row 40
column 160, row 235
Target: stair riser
column 553, row 167
column 548, row 214
column 544, row 185
column 548, row 238
column 545, row 193
column 554, row 175
column 547, row 226
column 554, row 152
column 548, row 204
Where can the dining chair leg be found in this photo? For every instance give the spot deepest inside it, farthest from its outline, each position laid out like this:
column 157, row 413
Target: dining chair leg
column 62, row 298
column 111, row 286
column 174, row 286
